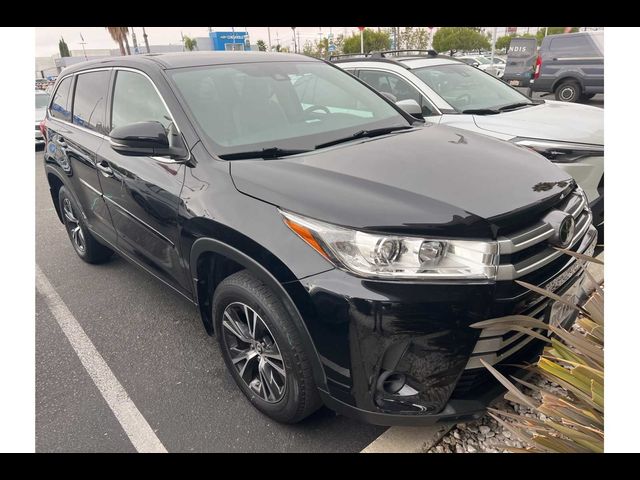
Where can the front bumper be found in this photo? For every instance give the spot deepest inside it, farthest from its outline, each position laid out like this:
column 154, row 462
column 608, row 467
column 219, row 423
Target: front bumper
column 400, row 353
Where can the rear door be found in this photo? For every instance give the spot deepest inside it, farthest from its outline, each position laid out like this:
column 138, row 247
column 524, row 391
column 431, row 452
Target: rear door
column 521, row 61
column 142, row 192
column 77, row 131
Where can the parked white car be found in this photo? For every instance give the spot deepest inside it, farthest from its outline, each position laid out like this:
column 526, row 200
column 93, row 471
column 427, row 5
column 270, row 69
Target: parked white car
column 42, row 101
column 484, row 63
column 450, row 92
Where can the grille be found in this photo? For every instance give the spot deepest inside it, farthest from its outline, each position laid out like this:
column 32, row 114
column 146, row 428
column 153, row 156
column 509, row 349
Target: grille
column 521, row 253
column 527, row 250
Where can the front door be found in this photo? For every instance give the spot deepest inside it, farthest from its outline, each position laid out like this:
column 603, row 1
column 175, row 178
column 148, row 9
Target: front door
column 143, row 193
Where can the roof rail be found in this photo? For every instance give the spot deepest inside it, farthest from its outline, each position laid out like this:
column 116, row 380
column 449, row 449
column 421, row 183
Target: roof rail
column 354, row 55
column 429, row 52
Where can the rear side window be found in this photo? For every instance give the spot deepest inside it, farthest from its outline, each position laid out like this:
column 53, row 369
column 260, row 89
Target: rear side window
column 61, row 106
column 90, row 99
column 136, row 100
column 572, row 44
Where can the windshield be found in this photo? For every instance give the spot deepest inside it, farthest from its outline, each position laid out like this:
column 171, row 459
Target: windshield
column 289, row 105
column 482, row 60
column 467, row 88
column 42, row 100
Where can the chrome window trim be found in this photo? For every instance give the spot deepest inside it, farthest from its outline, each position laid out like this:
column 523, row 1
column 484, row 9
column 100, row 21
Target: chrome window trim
column 106, row 137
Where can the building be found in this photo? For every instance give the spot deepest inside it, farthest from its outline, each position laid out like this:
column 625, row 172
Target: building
column 229, row 41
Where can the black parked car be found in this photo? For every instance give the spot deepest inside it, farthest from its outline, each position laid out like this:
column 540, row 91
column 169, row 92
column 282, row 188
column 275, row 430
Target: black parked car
column 338, row 247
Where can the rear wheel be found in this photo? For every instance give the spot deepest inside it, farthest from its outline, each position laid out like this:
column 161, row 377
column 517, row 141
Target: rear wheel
column 568, row 91
column 85, row 245
column 262, row 349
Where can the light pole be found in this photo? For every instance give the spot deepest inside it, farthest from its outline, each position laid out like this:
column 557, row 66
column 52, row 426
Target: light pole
column 83, row 44
column 493, row 47
column 146, row 41
column 269, row 37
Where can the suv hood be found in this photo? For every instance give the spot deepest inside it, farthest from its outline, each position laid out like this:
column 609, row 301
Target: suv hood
column 436, row 180
column 565, row 122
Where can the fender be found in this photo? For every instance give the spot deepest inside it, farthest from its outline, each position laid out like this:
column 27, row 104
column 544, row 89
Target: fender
column 569, row 75
column 51, row 169
column 204, row 245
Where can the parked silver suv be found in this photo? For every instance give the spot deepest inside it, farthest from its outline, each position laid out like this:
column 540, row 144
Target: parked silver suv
column 449, row 92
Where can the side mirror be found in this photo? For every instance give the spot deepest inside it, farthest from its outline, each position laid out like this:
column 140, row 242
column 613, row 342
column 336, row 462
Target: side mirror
column 411, row 107
column 148, row 139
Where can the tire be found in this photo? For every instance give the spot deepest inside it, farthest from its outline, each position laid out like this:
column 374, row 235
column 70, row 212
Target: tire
column 286, row 398
column 587, row 96
column 85, row 244
column 568, row 91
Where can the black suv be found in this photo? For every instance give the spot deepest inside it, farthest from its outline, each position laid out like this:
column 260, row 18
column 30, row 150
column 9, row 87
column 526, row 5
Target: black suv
column 337, row 247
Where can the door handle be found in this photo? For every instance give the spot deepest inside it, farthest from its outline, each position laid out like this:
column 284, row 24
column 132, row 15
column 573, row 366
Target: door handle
column 104, row 168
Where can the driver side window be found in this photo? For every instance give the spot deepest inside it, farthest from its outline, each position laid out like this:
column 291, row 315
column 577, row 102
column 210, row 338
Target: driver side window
column 398, row 87
column 136, row 100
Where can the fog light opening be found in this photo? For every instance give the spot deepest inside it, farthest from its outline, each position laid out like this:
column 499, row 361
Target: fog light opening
column 391, row 382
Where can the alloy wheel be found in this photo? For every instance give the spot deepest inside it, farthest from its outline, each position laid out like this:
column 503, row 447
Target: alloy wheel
column 73, row 226
column 254, row 352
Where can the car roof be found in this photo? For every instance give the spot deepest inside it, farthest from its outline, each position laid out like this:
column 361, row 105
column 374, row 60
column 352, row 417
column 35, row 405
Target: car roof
column 188, row 59
column 407, row 61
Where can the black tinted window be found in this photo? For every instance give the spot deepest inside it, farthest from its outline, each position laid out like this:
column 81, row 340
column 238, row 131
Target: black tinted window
column 136, row 100
column 60, row 107
column 578, row 44
column 90, row 100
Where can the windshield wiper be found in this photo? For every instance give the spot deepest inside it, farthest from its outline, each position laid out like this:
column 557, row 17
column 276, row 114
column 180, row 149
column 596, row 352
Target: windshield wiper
column 481, row 111
column 364, row 134
column 513, row 106
column 272, row 152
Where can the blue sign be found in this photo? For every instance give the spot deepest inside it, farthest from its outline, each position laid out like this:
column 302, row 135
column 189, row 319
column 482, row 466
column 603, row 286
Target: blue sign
column 332, row 48
column 229, row 40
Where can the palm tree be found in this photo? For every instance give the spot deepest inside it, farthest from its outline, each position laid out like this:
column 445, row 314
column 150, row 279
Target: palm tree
column 117, row 34
column 190, row 43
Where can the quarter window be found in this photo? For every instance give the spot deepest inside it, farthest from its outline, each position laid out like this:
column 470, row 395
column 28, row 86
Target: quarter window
column 61, row 106
column 392, row 84
column 90, row 99
column 136, row 100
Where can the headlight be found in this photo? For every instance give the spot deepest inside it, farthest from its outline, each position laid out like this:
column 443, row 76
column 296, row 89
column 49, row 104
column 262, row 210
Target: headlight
column 560, row 152
column 397, row 257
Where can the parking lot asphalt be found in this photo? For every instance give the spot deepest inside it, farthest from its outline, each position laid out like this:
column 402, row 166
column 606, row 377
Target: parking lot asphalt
column 154, row 342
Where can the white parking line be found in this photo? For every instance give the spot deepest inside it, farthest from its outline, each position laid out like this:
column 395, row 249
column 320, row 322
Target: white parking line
column 134, row 424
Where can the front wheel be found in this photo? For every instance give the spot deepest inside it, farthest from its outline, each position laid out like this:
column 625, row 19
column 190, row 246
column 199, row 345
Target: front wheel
column 262, row 349
column 568, row 92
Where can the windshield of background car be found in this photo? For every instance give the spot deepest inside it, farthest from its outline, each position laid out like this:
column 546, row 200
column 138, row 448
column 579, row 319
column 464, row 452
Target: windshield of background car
column 292, row 105
column 466, row 88
column 482, row 60
column 42, row 100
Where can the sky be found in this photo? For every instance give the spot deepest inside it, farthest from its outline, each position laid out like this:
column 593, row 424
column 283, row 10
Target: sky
column 97, row 37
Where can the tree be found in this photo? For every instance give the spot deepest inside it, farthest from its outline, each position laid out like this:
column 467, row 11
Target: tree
column 118, row 35
column 308, row 49
column 454, row 39
column 411, row 37
column 261, row 46
column 502, row 43
column 552, row 31
column 63, row 48
column 372, row 41
column 190, row 43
